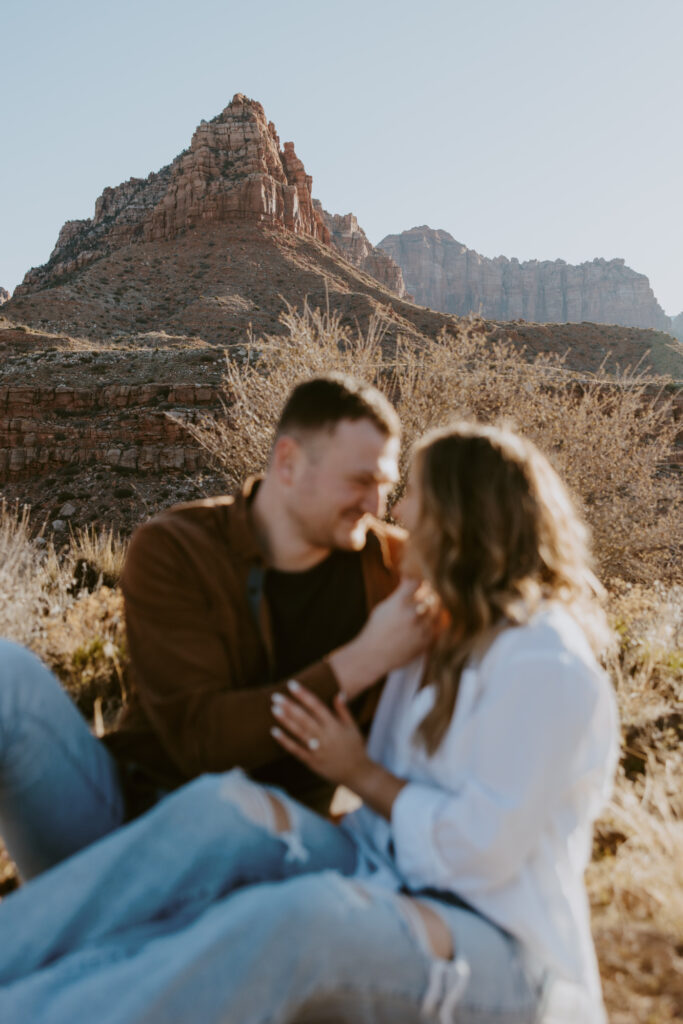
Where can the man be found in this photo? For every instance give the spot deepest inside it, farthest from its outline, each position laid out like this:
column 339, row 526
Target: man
column 226, row 599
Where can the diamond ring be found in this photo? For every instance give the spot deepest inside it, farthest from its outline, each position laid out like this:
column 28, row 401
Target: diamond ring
column 313, row 743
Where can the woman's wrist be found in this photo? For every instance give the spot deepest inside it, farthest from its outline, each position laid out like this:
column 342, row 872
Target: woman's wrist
column 357, row 775
column 354, row 669
column 376, row 786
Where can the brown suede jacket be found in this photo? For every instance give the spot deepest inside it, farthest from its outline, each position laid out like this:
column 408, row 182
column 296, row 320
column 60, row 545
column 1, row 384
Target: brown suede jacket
column 201, row 652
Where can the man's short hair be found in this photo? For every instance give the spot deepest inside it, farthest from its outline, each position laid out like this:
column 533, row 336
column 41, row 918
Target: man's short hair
column 323, row 402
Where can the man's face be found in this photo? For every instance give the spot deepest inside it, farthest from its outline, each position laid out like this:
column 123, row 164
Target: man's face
column 338, row 478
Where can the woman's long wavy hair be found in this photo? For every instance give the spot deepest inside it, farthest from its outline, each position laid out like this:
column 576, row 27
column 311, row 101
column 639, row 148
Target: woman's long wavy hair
column 497, row 534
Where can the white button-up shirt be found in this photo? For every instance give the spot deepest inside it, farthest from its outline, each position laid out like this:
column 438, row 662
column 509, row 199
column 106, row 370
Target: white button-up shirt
column 501, row 814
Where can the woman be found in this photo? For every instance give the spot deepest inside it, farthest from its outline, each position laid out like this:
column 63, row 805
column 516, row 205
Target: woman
column 456, row 892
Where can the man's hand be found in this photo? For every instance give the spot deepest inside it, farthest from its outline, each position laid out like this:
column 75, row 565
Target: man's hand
column 328, row 743
column 398, row 629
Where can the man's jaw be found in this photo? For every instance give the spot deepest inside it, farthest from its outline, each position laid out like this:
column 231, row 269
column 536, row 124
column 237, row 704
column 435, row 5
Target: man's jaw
column 348, row 533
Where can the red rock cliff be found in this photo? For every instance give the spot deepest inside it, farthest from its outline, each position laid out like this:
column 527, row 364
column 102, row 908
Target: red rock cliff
column 234, row 169
column 445, row 275
column 677, row 326
column 355, row 246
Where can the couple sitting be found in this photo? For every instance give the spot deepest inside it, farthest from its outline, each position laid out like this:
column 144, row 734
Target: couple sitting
column 260, row 629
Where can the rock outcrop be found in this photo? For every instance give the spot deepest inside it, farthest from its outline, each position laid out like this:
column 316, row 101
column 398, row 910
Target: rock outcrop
column 677, row 326
column 101, row 429
column 220, row 282
column 233, row 170
column 44, row 429
column 355, row 246
column 4, row 296
column 445, row 275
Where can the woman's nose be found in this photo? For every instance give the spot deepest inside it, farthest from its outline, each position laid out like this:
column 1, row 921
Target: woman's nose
column 372, row 500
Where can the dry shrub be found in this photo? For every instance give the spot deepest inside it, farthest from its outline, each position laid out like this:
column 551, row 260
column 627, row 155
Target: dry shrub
column 648, row 622
column 86, row 648
column 32, row 583
column 636, row 879
column 46, row 604
column 79, row 635
column 98, row 556
column 611, row 439
column 257, row 382
column 648, row 674
column 636, row 889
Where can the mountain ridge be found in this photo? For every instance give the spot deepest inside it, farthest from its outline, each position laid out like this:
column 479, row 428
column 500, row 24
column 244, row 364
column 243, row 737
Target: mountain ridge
column 445, row 274
column 127, row 321
column 221, row 239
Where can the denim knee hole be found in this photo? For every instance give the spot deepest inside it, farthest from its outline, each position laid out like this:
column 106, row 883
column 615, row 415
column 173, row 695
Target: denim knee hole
column 448, row 979
column 258, row 805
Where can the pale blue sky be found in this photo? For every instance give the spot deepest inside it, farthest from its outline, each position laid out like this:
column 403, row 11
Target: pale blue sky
column 528, row 128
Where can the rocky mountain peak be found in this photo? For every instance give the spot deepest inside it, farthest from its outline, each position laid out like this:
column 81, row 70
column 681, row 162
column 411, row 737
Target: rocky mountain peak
column 234, row 169
column 4, row 296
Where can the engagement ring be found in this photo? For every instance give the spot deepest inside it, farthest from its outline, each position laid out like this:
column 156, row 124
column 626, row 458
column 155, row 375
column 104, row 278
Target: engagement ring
column 313, row 744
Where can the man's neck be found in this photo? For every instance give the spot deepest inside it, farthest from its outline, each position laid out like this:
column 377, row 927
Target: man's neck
column 283, row 547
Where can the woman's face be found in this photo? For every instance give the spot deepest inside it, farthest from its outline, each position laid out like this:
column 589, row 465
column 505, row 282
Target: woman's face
column 407, row 513
column 407, row 510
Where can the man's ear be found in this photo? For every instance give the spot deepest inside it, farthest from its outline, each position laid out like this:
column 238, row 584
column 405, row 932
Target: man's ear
column 285, row 458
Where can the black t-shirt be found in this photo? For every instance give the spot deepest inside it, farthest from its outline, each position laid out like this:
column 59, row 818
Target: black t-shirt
column 316, row 611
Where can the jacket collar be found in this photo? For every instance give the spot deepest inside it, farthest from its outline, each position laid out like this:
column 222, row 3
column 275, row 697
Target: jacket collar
column 242, row 523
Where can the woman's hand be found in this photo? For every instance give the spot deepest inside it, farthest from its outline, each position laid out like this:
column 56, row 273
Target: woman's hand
column 329, row 743
column 399, row 628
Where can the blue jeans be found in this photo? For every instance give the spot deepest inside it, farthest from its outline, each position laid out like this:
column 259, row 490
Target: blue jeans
column 59, row 786
column 202, row 910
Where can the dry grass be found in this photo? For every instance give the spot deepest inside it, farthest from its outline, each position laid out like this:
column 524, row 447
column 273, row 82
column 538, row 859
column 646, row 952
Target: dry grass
column 258, row 380
column 46, row 604
column 613, row 444
column 636, row 878
column 637, row 905
column 60, row 604
column 98, row 556
column 33, row 583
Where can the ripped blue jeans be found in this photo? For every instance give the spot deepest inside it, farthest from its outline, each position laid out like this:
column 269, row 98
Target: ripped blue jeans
column 205, row 910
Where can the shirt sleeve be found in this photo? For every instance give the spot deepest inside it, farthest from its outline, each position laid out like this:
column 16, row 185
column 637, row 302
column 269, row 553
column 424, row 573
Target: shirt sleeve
column 187, row 681
column 529, row 735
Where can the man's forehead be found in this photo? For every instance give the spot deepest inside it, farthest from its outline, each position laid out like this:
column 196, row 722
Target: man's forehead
column 364, row 450
column 359, row 432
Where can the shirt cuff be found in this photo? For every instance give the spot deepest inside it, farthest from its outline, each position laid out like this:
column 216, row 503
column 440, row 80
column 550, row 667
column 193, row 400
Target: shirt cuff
column 413, row 814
